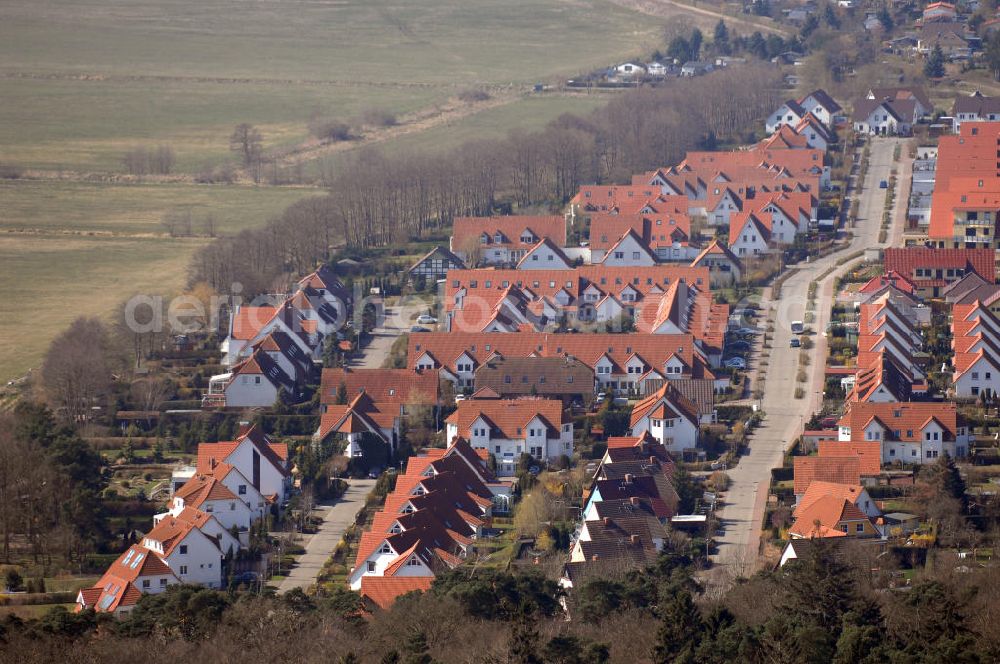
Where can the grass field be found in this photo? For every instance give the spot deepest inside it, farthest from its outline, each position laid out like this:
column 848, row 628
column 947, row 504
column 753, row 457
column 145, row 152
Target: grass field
column 83, row 81
column 136, row 209
column 530, row 113
column 48, row 281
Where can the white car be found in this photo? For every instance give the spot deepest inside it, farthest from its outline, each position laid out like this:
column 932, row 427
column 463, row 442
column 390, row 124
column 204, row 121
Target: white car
column 736, row 363
column 426, row 319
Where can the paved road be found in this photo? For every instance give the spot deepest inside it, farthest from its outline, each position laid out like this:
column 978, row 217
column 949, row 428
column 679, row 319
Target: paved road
column 396, row 320
column 743, row 509
column 336, row 519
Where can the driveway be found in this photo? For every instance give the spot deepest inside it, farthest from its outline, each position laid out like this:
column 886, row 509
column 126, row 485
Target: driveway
column 743, row 510
column 396, row 320
column 336, row 519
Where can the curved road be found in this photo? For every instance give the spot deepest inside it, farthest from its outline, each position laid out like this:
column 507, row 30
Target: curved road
column 743, row 510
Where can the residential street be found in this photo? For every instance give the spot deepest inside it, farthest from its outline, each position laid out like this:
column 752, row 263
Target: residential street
column 337, row 517
column 744, row 503
column 396, row 320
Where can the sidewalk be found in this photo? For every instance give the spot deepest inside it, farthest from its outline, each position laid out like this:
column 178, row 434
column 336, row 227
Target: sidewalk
column 338, row 517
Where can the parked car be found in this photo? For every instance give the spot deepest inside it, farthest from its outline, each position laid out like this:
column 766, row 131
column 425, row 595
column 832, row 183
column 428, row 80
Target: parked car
column 245, row 577
column 601, row 396
column 736, row 363
column 426, row 319
column 374, row 473
column 794, row 343
column 738, row 346
column 883, row 185
column 748, row 332
column 419, row 328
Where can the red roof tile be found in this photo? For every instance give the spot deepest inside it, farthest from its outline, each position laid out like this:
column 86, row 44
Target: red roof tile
column 383, row 591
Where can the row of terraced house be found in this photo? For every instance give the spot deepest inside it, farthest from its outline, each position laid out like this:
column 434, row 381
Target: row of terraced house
column 207, row 524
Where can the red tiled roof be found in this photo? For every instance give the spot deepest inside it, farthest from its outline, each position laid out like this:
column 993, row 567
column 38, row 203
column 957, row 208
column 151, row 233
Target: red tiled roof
column 210, row 454
column 908, row 419
column 170, row 532
column 249, row 321
column 471, row 229
column 398, row 386
column 383, row 591
column 907, row 260
column 654, row 349
column 869, row 453
column 201, row 488
column 840, row 470
column 508, row 417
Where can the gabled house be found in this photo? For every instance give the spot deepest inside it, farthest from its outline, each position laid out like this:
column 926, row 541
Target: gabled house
column 954, row 38
column 908, row 433
column 838, row 470
column 429, row 523
column 545, row 255
column 211, row 496
column 890, row 111
column 629, row 250
column 136, row 572
column 974, row 108
column 362, row 426
column 566, row 379
column 723, row 265
column 255, row 382
column 191, row 555
column 620, row 362
column 207, row 523
column 821, row 106
column 789, row 113
column 668, row 417
column 939, row 11
column 435, row 264
column 508, row 428
column 834, row 510
column 257, row 457
column 750, row 234
column 404, row 387
column 503, row 240
column 932, row 269
column 976, row 348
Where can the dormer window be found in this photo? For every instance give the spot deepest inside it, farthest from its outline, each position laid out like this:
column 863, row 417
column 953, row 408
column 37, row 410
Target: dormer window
column 498, row 238
column 527, row 238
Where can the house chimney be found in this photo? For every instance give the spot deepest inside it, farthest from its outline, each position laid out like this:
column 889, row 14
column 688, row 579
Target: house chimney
column 652, row 460
column 607, row 521
column 634, row 539
column 594, row 558
column 634, row 500
column 629, row 478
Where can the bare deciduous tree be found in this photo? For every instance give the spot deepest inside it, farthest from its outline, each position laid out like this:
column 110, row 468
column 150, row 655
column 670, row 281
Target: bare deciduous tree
column 76, row 371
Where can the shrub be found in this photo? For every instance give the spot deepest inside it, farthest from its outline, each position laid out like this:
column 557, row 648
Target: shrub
column 330, row 130
column 801, row 376
column 799, row 392
column 473, row 94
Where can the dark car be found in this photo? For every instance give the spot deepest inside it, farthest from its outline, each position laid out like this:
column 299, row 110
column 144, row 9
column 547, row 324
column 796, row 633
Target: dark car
column 246, row 577
column 738, row 346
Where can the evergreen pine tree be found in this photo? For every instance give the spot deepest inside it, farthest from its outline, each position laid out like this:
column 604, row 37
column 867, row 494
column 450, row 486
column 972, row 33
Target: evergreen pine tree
column 934, row 66
column 680, row 630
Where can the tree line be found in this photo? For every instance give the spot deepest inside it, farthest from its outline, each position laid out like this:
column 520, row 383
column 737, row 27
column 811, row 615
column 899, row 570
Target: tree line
column 376, row 200
column 820, row 608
